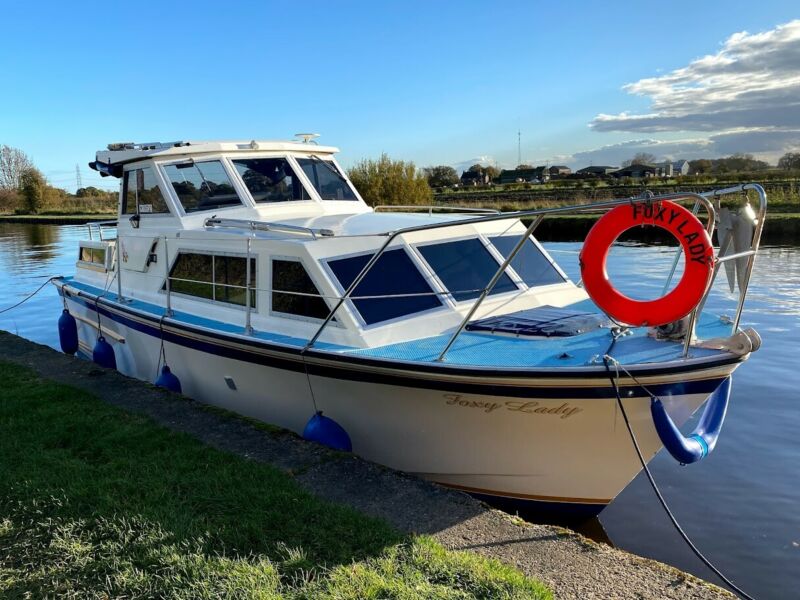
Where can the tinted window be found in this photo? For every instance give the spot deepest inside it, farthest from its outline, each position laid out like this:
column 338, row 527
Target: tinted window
column 325, row 177
column 465, row 268
column 220, row 278
column 290, row 276
column 202, row 185
column 93, row 255
column 270, row 179
column 142, row 194
column 394, row 273
column 529, row 263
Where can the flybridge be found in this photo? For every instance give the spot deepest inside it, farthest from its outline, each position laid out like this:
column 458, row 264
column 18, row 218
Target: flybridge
column 109, row 162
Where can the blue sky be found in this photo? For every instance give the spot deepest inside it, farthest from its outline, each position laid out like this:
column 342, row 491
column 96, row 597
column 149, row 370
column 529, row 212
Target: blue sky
column 432, row 82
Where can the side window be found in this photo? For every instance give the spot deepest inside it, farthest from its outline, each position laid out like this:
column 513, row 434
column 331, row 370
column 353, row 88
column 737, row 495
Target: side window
column 393, row 274
column 327, row 180
column 214, row 277
column 530, row 264
column 465, row 267
column 142, row 193
column 202, row 185
column 294, row 293
column 270, row 179
column 93, row 255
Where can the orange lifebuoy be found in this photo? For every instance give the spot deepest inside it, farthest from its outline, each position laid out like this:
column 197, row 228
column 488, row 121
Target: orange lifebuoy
column 698, row 254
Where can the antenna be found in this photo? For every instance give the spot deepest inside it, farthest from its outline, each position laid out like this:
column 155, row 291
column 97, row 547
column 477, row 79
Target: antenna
column 78, row 180
column 519, row 147
column 307, row 137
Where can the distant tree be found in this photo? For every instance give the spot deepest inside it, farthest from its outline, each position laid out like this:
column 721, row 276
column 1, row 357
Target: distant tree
column 790, row 160
column 700, row 166
column 12, row 164
column 492, row 172
column 739, row 163
column 33, row 189
column 92, row 192
column 387, row 181
column 440, row 176
column 640, row 158
column 524, row 166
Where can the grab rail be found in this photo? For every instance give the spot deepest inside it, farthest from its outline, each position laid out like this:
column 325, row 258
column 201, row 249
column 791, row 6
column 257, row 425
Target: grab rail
column 99, row 225
column 537, row 215
column 430, row 208
column 543, row 212
column 267, row 226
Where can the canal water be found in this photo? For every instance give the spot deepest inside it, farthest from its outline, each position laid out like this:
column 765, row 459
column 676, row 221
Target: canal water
column 741, row 505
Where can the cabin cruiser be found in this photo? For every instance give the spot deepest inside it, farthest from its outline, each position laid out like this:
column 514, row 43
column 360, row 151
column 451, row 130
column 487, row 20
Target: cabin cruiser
column 443, row 342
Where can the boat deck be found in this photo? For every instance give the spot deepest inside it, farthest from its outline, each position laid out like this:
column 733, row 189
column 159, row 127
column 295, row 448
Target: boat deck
column 478, row 348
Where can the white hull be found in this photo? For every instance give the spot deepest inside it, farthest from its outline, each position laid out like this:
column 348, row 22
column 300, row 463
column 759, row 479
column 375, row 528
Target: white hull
column 563, row 450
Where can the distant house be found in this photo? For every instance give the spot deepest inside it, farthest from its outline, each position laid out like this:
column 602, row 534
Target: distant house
column 596, row 171
column 680, row 167
column 639, row 171
column 537, row 175
column 664, row 169
column 474, row 178
column 559, row 171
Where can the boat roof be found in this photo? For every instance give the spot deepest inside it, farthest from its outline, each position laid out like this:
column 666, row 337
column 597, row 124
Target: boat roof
column 125, row 152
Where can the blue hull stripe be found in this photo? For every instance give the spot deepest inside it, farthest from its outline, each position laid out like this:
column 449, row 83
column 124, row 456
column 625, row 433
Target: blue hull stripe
column 353, row 368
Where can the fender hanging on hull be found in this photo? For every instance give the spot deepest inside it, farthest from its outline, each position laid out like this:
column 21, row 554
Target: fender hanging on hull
column 691, row 448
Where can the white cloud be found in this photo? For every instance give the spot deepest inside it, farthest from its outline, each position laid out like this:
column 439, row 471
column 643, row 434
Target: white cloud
column 484, row 160
column 747, row 94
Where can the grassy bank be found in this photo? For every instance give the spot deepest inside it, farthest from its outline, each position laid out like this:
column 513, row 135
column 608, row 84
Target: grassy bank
column 97, row 502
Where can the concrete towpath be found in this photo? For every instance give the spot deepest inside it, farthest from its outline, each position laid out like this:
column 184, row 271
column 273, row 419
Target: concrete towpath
column 573, row 566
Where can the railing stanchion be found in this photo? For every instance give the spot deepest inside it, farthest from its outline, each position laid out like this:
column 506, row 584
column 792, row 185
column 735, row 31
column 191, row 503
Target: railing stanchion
column 167, row 283
column 487, row 290
column 248, row 327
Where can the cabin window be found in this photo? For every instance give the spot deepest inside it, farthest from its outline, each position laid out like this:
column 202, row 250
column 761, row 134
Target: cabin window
column 271, row 179
column 326, row 179
column 530, row 263
column 141, row 193
column 202, row 185
column 214, row 277
column 465, row 267
column 293, row 291
column 393, row 274
column 95, row 256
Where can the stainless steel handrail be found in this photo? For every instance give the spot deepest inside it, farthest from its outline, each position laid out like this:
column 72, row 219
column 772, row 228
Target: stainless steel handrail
column 99, row 225
column 751, row 254
column 392, row 235
column 488, row 289
column 431, row 207
column 267, row 226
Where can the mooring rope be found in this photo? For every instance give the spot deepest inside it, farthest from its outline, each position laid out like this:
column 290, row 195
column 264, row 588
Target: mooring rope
column 606, row 359
column 29, row 296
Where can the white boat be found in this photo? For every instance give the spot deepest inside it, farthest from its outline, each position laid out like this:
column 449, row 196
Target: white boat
column 450, row 346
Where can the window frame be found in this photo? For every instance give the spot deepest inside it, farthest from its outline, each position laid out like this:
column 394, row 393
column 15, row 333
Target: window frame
column 517, row 277
column 309, row 189
column 493, row 252
column 213, row 283
column 311, row 186
column 283, row 315
column 160, row 182
column 245, row 199
column 350, row 306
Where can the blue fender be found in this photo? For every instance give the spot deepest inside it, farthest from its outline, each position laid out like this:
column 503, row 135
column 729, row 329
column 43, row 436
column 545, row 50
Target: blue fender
column 327, row 432
column 68, row 333
column 103, row 354
column 691, row 448
column 169, row 380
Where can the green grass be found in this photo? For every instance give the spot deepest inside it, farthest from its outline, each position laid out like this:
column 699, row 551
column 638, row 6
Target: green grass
column 96, row 502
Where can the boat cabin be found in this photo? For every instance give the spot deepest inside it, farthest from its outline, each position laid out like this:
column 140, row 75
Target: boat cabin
column 265, row 237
